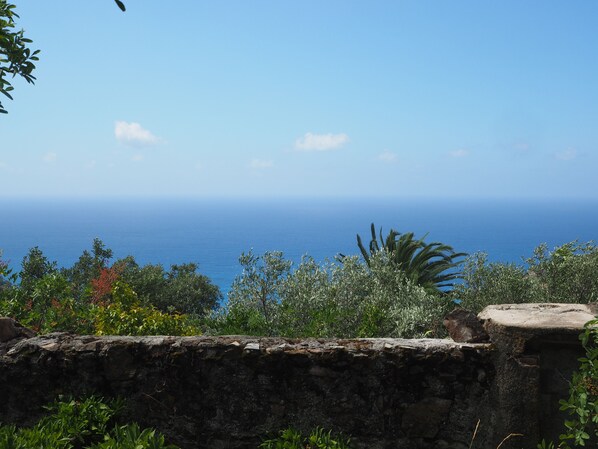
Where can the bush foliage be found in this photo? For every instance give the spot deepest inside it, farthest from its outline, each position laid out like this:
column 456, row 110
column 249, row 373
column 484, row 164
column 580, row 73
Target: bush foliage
column 567, row 274
column 318, row 438
column 582, row 404
column 94, row 423
column 96, row 297
column 88, row 424
column 348, row 299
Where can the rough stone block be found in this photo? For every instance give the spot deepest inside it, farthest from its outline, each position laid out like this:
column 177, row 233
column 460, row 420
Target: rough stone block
column 11, row 329
column 464, row 326
column 425, row 418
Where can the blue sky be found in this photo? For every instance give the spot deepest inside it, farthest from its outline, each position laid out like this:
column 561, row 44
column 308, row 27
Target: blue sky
column 306, row 98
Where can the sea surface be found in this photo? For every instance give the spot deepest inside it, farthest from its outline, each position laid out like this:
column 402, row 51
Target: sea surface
column 213, row 233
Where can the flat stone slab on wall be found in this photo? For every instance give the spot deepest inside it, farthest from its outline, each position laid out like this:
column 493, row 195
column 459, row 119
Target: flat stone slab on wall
column 540, row 318
column 226, row 392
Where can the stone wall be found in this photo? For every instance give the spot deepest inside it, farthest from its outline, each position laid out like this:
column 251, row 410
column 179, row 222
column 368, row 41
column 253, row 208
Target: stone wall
column 227, row 392
column 537, row 350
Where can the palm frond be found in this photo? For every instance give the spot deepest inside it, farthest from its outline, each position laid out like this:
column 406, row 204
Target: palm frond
column 427, row 264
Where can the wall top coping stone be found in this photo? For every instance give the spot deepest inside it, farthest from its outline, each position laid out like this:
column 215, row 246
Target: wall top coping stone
column 63, row 341
column 541, row 316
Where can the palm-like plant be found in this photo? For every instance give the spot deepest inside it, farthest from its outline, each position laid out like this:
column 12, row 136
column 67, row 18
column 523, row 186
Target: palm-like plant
column 426, row 264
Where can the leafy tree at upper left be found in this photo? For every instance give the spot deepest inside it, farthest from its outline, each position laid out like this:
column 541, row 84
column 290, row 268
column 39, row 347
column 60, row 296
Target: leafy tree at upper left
column 16, row 58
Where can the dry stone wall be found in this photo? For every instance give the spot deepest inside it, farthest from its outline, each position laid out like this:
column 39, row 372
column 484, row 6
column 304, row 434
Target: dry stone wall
column 229, row 392
column 226, row 392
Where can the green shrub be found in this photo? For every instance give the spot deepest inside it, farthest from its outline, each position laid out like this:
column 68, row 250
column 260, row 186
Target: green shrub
column 87, row 268
column 348, row 299
column 92, row 297
column 78, row 421
column 494, row 283
column 317, row 439
column 582, row 404
column 46, row 305
column 181, row 289
column 7, row 277
column 125, row 315
column 354, row 300
column 70, row 424
column 131, row 436
column 567, row 274
column 13, row 438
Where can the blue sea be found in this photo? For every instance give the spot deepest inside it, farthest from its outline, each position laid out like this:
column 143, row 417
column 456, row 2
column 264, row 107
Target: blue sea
column 213, row 233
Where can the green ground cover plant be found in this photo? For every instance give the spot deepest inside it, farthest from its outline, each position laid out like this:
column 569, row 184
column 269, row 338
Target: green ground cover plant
column 91, row 423
column 94, row 423
column 317, row 439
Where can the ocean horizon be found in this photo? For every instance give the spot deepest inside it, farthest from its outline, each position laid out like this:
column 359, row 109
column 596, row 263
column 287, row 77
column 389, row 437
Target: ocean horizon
column 214, row 232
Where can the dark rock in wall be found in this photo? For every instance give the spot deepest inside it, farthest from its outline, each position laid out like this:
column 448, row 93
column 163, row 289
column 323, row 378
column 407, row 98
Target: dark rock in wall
column 464, row 326
column 426, row 417
column 11, row 329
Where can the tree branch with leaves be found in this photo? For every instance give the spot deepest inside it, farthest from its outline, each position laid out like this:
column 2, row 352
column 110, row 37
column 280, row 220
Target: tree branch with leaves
column 16, row 58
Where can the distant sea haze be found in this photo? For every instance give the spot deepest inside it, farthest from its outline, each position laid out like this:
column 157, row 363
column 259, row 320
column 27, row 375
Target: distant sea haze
column 214, row 233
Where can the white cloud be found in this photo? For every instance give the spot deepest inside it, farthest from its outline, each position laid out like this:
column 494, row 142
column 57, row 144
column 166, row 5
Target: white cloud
column 321, row 142
column 91, row 164
column 137, row 157
column 260, row 164
column 50, row 157
column 387, row 156
column 134, row 134
column 459, row 153
column 522, row 146
column 567, row 155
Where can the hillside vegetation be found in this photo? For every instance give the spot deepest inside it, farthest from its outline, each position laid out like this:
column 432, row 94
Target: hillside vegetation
column 401, row 287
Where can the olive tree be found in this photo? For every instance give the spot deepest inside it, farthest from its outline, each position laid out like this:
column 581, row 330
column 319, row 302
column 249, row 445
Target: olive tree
column 330, row 299
column 567, row 274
